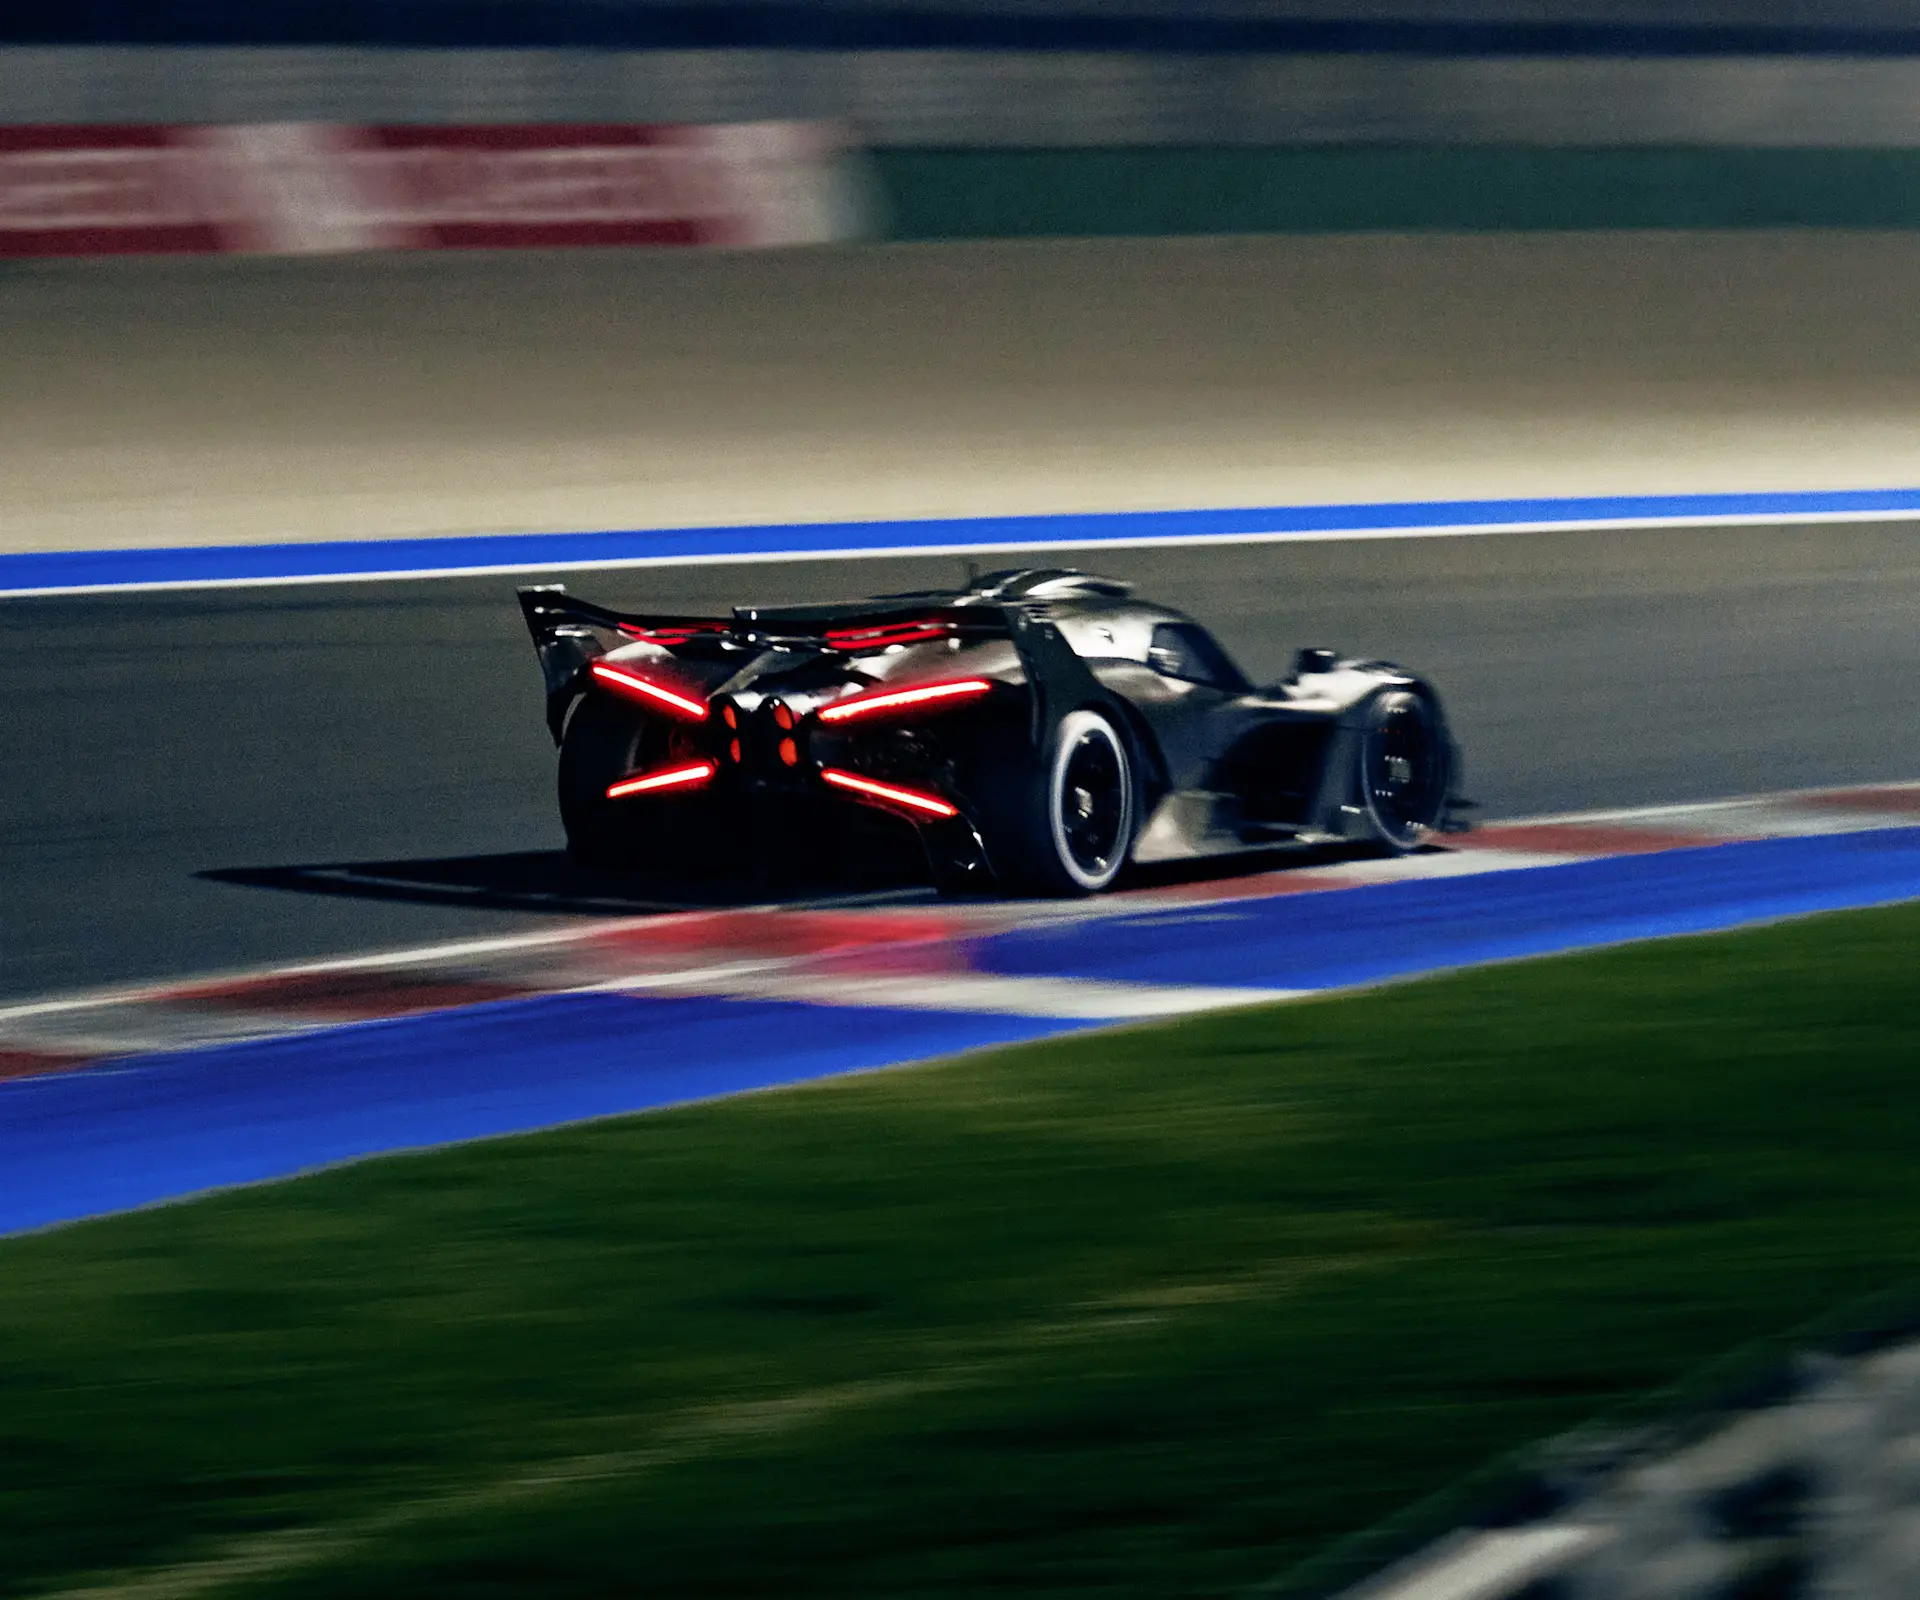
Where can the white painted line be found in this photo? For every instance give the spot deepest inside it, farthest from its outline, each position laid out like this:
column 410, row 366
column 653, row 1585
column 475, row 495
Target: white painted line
column 136, row 1039
column 1692, row 808
column 1491, row 1565
column 1062, row 541
column 1763, row 821
column 424, row 956
column 713, row 979
column 1454, row 864
column 1069, row 998
column 141, row 1030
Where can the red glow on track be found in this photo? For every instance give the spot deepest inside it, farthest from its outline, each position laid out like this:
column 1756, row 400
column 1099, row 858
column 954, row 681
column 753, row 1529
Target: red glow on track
column 892, row 793
column 691, row 776
column 625, row 681
column 883, row 634
column 881, row 702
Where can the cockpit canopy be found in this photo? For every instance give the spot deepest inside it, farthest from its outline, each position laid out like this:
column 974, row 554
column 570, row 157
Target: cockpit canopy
column 1047, row 583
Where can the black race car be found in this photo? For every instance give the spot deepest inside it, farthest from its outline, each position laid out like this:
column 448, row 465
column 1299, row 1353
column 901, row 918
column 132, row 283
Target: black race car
column 1039, row 728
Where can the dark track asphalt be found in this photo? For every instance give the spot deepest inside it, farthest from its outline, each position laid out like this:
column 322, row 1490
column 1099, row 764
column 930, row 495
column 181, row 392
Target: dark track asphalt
column 147, row 741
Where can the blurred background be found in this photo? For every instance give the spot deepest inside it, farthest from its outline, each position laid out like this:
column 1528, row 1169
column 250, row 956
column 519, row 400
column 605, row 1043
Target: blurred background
column 1174, row 255
column 983, row 119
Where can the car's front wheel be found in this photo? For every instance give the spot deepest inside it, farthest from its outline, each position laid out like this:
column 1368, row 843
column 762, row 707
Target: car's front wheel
column 1065, row 825
column 1405, row 765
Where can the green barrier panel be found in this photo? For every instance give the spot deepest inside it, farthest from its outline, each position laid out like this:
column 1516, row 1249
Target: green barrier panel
column 979, row 194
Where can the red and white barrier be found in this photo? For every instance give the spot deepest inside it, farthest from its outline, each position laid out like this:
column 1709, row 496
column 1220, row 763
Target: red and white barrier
column 299, row 188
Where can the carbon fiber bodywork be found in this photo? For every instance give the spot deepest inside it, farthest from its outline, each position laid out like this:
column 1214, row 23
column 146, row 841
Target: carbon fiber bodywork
column 941, row 708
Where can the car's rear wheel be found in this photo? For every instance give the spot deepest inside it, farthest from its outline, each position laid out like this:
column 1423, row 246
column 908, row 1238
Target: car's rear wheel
column 606, row 740
column 1065, row 825
column 1405, row 761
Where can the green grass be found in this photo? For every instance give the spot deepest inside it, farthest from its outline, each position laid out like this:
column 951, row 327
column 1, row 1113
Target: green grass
column 1155, row 1312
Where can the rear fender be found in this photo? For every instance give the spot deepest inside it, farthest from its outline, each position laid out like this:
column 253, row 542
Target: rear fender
column 569, row 634
column 565, row 643
column 1063, row 683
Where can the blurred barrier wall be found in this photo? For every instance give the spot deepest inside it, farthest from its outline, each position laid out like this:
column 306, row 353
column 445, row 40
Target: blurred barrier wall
column 990, row 118
column 938, row 194
column 298, row 188
column 1004, row 98
column 1009, row 143
column 1458, row 26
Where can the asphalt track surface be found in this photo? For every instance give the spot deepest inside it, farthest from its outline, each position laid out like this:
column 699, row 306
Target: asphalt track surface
column 205, row 780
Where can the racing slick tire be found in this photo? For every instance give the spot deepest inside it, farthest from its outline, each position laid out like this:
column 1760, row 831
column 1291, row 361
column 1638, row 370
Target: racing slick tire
column 1064, row 825
column 1404, row 760
column 606, row 739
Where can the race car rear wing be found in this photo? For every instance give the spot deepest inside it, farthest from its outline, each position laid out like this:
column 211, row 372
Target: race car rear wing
column 549, row 608
column 850, row 627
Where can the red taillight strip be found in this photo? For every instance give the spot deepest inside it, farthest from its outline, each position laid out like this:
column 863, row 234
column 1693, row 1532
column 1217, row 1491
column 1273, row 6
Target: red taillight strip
column 881, row 635
column 892, row 793
column 624, row 681
column 691, row 776
column 673, row 632
column 881, row 701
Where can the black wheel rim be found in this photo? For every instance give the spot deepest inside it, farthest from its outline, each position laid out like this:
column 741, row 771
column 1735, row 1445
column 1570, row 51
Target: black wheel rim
column 1093, row 802
column 1403, row 769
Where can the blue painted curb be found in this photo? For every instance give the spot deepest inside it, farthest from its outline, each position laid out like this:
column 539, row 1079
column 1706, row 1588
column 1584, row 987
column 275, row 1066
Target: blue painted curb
column 1365, row 935
column 66, row 572
column 162, row 1127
